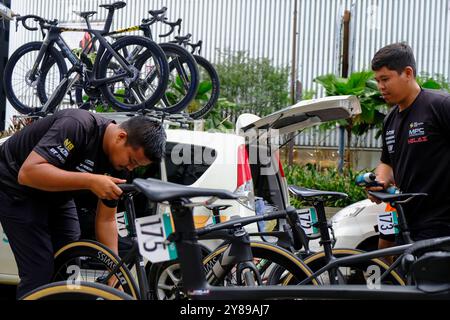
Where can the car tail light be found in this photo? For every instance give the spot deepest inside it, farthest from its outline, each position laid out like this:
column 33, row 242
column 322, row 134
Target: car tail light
column 244, row 178
column 280, row 166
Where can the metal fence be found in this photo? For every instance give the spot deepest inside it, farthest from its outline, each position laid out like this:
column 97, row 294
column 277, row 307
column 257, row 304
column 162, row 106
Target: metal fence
column 264, row 28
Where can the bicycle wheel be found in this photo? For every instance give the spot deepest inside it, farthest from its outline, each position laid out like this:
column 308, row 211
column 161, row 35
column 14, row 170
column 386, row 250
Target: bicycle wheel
column 183, row 78
column 64, row 290
column 208, row 90
column 91, row 261
column 165, row 278
column 28, row 95
column 134, row 93
column 266, row 257
column 355, row 273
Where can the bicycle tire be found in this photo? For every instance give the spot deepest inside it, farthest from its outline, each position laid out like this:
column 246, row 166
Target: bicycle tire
column 176, row 53
column 197, row 110
column 317, row 260
column 260, row 250
column 274, row 254
column 97, row 254
column 159, row 270
column 42, row 95
column 63, row 290
column 161, row 66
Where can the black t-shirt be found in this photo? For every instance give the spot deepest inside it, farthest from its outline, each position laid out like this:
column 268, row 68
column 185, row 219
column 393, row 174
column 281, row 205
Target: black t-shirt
column 70, row 139
column 416, row 144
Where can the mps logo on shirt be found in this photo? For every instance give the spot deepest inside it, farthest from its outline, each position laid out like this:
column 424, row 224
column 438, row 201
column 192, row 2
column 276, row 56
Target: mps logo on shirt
column 416, row 133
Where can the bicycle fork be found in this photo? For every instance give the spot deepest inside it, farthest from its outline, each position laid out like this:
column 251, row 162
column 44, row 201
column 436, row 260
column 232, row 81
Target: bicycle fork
column 52, row 103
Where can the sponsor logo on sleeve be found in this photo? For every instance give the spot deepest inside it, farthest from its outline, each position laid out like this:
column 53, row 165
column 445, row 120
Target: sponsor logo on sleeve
column 390, row 140
column 86, row 166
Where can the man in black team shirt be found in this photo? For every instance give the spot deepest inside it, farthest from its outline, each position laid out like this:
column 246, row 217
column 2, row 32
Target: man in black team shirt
column 416, row 143
column 42, row 165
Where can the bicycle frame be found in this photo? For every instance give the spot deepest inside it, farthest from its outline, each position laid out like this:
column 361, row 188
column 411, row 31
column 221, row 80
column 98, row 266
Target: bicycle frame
column 54, row 36
column 239, row 252
column 145, row 28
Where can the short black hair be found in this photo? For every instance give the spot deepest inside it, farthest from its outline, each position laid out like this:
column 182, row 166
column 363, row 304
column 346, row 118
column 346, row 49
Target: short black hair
column 148, row 134
column 396, row 56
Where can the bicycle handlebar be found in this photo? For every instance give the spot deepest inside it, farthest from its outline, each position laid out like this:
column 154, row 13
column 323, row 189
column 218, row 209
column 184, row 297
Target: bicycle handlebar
column 38, row 19
column 127, row 188
column 172, row 26
column 160, row 16
column 195, row 46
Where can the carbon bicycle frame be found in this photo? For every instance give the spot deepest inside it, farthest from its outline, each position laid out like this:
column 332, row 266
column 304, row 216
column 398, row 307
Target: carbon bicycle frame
column 238, row 252
column 54, row 36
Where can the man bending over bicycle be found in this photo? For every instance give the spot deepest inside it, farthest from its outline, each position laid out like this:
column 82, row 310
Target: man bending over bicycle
column 416, row 143
column 41, row 167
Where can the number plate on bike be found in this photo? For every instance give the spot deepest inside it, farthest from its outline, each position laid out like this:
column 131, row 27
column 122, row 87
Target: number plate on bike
column 308, row 217
column 152, row 233
column 387, row 222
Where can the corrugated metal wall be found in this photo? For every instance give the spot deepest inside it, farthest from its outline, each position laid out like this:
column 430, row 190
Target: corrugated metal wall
column 264, row 28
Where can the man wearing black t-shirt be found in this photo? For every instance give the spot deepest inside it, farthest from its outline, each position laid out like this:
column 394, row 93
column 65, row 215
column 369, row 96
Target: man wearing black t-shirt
column 416, row 143
column 42, row 165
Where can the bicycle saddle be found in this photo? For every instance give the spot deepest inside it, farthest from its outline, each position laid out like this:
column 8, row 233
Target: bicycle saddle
column 431, row 271
column 183, row 38
column 387, row 197
column 114, row 6
column 159, row 191
column 157, row 12
column 311, row 193
column 85, row 14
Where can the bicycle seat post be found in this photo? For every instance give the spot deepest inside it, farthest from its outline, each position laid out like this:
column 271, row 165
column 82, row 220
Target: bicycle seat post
column 325, row 239
column 402, row 224
column 322, row 223
column 189, row 253
column 130, row 214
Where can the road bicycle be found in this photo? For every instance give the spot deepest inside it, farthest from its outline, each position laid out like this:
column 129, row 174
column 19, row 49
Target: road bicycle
column 209, row 83
column 183, row 72
column 238, row 261
column 106, row 78
column 418, row 258
column 427, row 255
column 325, row 261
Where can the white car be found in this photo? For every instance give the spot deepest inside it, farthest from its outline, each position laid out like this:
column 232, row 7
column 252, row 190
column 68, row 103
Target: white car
column 356, row 226
column 227, row 161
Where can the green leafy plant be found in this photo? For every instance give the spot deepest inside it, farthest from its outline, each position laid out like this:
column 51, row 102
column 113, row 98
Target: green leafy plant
column 373, row 107
column 254, row 84
column 215, row 120
column 437, row 82
column 202, row 96
column 329, row 179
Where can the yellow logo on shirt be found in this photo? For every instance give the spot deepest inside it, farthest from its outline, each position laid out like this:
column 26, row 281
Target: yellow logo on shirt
column 68, row 145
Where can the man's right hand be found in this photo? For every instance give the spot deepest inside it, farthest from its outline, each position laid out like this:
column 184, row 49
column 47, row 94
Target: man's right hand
column 105, row 187
column 383, row 186
column 385, row 177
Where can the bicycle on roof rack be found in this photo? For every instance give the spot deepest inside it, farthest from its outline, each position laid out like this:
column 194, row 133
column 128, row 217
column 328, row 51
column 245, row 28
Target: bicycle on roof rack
column 183, row 72
column 112, row 77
